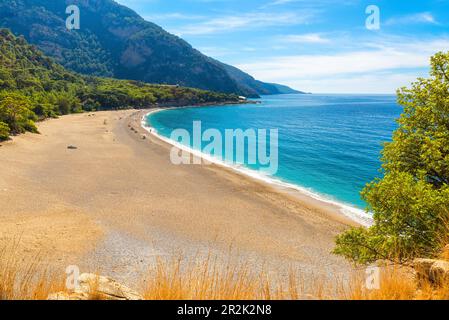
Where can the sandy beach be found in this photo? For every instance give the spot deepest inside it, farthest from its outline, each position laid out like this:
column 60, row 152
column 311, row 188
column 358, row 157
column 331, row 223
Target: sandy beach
column 116, row 202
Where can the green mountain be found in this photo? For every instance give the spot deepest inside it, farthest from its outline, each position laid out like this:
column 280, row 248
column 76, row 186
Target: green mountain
column 33, row 86
column 114, row 41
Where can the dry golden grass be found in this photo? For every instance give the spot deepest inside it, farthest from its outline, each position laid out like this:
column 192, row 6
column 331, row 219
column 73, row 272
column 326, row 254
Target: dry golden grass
column 173, row 280
column 25, row 279
column 210, row 278
column 396, row 283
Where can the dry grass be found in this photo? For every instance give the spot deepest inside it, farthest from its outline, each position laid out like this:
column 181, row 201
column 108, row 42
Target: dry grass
column 209, row 278
column 25, row 279
column 398, row 283
column 178, row 279
column 395, row 283
column 212, row 279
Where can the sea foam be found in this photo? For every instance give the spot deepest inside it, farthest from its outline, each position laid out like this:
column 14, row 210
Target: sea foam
column 355, row 214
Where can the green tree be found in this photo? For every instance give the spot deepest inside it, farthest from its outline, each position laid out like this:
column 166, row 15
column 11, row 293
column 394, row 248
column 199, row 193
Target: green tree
column 15, row 111
column 33, row 87
column 64, row 104
column 411, row 202
column 4, row 131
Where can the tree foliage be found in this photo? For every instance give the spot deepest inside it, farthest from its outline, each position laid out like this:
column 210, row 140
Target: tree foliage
column 4, row 131
column 116, row 42
column 15, row 111
column 411, row 202
column 33, row 86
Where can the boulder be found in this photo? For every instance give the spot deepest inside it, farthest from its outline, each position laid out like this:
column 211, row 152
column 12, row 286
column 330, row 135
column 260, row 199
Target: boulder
column 67, row 296
column 431, row 270
column 94, row 287
column 106, row 288
column 439, row 272
column 72, row 147
column 422, row 266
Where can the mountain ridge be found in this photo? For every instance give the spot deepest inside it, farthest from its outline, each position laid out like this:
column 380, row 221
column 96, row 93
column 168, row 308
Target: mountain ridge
column 114, row 41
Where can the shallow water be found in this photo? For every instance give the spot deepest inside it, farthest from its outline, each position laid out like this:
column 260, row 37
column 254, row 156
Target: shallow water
column 328, row 144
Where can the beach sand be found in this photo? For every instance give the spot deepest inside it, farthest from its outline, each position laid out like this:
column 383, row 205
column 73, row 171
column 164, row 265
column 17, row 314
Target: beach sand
column 116, row 203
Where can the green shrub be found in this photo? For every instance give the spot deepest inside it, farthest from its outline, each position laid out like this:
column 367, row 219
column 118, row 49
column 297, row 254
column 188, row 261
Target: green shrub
column 33, row 87
column 4, row 131
column 411, row 202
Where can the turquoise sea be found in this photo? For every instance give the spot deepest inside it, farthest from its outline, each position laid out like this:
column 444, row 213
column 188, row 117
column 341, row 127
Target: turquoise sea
column 328, row 144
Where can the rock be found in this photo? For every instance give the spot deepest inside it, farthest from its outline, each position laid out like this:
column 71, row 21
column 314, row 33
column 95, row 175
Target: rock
column 67, row 296
column 431, row 270
column 72, row 147
column 422, row 269
column 422, row 266
column 94, row 287
column 106, row 288
column 144, row 137
column 439, row 272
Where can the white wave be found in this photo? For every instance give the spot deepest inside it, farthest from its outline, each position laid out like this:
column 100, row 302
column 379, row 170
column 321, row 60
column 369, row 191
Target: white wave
column 355, row 214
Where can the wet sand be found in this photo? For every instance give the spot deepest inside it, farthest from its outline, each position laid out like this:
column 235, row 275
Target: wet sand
column 116, row 203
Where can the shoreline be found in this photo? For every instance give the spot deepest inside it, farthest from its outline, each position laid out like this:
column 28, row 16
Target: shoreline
column 117, row 203
column 356, row 215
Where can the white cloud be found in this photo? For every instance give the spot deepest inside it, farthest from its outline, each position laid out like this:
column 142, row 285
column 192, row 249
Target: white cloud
column 172, row 16
column 216, row 52
column 280, row 2
column 305, row 38
column 423, row 17
column 364, row 83
column 308, row 3
column 246, row 21
column 349, row 71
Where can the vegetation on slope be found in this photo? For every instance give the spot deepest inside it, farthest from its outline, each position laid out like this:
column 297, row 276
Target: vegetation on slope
column 411, row 202
column 33, row 86
column 114, row 41
column 207, row 277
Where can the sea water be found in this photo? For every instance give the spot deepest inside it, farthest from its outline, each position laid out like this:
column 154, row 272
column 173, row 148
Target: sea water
column 329, row 145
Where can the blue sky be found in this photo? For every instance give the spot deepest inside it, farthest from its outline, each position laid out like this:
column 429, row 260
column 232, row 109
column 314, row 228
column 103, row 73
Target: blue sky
column 316, row 46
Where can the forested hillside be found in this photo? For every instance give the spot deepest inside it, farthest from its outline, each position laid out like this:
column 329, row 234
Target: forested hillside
column 33, row 86
column 114, row 41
